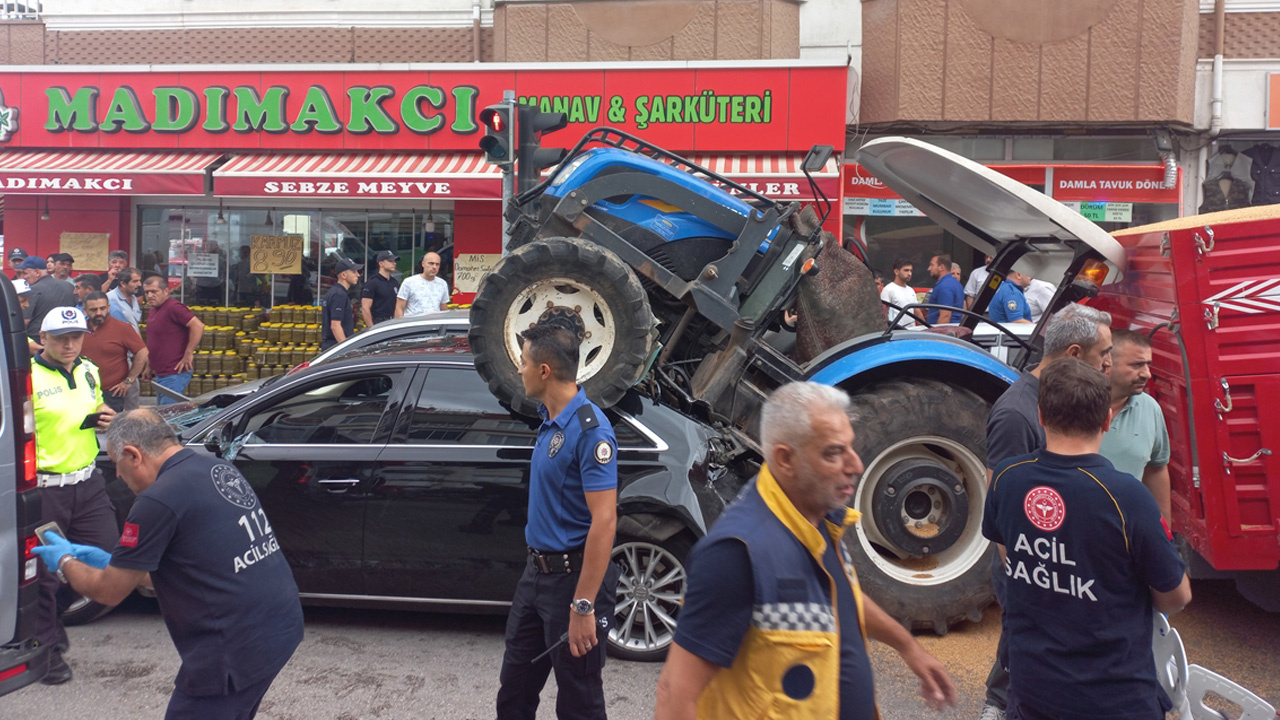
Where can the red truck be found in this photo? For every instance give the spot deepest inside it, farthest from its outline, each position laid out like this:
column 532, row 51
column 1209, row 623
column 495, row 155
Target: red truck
column 1207, row 288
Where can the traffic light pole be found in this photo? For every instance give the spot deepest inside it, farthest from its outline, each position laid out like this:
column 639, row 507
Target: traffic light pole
column 508, row 177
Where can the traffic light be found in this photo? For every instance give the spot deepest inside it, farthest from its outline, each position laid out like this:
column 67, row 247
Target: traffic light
column 497, row 141
column 531, row 157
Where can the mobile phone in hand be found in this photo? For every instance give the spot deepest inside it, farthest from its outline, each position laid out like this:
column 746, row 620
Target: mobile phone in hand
column 40, row 531
column 90, row 421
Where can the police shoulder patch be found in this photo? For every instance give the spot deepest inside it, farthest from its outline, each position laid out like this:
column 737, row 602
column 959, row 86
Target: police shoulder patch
column 1012, row 304
column 603, row 452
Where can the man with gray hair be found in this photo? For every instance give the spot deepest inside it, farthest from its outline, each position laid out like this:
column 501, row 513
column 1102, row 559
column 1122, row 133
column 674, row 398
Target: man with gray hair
column 771, row 614
column 1013, row 428
column 225, row 590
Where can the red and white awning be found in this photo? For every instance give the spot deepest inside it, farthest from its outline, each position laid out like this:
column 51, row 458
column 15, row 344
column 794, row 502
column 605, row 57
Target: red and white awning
column 104, row 173
column 777, row 177
column 451, row 176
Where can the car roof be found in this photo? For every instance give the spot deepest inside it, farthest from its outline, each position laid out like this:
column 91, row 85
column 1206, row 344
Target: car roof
column 984, row 207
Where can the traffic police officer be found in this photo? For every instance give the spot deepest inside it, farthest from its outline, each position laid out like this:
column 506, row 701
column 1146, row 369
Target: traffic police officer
column 1009, row 304
column 66, row 393
column 565, row 598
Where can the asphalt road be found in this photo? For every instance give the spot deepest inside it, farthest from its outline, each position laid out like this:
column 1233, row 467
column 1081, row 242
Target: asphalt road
column 376, row 664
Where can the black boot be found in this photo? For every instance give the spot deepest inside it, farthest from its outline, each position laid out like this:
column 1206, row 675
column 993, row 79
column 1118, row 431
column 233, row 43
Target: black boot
column 59, row 670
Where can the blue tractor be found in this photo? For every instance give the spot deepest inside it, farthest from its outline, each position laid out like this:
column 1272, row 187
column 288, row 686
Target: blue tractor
column 674, row 275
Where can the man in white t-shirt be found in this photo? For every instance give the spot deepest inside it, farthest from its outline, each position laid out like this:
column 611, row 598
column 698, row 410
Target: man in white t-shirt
column 977, row 279
column 423, row 294
column 1039, row 295
column 900, row 294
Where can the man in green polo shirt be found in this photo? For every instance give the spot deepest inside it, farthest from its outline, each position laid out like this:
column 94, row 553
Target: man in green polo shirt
column 66, row 392
column 1138, row 441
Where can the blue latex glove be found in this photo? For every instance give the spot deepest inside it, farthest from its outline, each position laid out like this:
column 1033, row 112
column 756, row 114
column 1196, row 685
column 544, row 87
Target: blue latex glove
column 56, row 546
column 90, row 555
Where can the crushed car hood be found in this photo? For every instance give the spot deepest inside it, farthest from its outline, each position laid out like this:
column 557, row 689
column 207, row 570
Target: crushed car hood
column 985, row 208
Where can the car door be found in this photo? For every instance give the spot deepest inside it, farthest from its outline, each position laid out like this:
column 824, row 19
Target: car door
column 309, row 450
column 447, row 512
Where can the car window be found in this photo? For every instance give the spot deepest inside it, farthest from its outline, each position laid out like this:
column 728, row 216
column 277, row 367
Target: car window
column 628, row 436
column 456, row 407
column 332, row 412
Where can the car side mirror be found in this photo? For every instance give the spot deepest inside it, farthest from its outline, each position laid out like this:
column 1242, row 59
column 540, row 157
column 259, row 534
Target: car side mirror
column 218, row 439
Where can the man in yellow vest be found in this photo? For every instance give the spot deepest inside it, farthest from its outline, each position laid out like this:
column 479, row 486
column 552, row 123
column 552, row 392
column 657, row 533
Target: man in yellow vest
column 67, row 397
column 774, row 624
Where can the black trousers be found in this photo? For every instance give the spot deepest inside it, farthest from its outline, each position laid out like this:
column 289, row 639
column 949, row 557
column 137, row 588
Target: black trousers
column 539, row 616
column 235, row 705
column 998, row 678
column 86, row 516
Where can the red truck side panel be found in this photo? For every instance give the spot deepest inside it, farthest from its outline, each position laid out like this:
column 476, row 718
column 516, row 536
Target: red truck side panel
column 1219, row 276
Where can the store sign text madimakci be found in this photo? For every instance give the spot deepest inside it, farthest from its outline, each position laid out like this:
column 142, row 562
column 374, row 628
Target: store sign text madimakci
column 745, row 109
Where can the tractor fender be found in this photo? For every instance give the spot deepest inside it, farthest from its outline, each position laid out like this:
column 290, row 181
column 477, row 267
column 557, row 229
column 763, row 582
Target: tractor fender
column 879, row 356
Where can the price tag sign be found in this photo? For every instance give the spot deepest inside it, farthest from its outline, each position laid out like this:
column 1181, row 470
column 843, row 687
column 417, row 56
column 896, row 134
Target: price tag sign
column 279, row 254
column 89, row 249
column 469, row 268
column 202, row 265
column 1095, row 211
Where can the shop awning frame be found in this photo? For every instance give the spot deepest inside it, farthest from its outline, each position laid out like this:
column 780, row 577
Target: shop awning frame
column 105, row 173
column 779, row 177
column 446, row 176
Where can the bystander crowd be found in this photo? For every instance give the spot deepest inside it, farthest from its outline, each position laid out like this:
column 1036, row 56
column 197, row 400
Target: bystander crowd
column 378, row 296
column 425, row 293
column 118, row 351
column 173, row 332
column 947, row 291
column 1138, row 441
column 1086, row 555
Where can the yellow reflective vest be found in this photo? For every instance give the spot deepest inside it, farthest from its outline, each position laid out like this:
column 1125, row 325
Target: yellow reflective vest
column 62, row 399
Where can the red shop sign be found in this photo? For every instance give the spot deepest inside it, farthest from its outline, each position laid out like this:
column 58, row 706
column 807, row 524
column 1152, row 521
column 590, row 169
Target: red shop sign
column 752, row 108
column 1141, row 183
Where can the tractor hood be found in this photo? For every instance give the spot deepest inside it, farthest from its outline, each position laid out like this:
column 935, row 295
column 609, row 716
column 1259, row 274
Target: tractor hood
column 985, row 208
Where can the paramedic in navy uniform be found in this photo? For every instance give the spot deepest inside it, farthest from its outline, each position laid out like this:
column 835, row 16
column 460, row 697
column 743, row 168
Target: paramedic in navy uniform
column 1087, row 555
column 568, row 586
column 225, row 591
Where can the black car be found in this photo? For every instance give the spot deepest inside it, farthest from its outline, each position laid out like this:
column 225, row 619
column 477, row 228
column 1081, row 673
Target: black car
column 394, row 478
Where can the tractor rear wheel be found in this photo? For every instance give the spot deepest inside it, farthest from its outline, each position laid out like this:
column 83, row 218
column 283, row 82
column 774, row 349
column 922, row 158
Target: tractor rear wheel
column 919, row 548
column 581, row 282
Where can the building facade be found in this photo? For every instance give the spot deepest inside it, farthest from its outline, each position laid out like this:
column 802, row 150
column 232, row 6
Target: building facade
column 1237, row 113
column 183, row 130
column 1088, row 101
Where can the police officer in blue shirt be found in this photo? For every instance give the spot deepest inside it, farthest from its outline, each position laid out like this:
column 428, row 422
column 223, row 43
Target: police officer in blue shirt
column 565, row 598
column 1009, row 304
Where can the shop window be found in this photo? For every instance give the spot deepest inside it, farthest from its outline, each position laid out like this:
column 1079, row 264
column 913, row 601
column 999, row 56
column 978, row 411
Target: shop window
column 916, row 239
column 1092, row 149
column 974, row 148
column 200, row 250
column 1241, row 174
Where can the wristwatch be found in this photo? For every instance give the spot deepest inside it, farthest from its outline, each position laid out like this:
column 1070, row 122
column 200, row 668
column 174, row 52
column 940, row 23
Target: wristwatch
column 583, row 606
column 63, row 561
